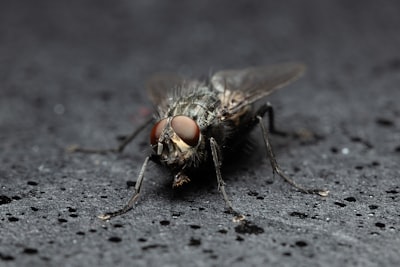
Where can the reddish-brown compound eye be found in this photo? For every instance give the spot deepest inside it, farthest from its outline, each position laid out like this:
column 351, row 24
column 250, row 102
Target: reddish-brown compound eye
column 157, row 130
column 187, row 129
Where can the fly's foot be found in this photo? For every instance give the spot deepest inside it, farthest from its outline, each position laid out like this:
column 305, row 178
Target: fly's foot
column 180, row 179
column 104, row 217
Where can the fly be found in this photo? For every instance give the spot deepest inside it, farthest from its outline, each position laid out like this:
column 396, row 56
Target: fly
column 198, row 121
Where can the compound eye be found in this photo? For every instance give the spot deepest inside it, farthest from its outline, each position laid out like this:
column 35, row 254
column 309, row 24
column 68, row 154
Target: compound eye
column 187, row 129
column 157, row 130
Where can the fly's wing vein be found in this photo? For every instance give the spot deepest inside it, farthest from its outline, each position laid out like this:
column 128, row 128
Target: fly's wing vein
column 257, row 82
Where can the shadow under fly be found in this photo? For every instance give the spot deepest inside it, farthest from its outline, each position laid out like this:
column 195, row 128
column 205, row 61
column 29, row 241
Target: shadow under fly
column 201, row 121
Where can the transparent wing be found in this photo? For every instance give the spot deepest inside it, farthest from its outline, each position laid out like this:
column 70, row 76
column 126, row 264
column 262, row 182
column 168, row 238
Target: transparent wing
column 257, row 82
column 160, row 85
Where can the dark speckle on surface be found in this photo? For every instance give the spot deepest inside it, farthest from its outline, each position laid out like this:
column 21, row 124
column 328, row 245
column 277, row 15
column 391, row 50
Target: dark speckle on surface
column 247, row 227
column 75, row 73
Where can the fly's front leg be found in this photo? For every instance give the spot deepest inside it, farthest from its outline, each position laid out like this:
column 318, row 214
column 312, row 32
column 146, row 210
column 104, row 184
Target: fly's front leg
column 117, row 149
column 132, row 200
column 221, row 184
column 278, row 169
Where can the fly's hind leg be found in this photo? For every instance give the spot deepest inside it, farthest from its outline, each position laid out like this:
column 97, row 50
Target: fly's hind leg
column 126, row 140
column 275, row 166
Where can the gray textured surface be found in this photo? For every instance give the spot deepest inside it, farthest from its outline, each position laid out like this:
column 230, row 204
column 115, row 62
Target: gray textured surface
column 74, row 73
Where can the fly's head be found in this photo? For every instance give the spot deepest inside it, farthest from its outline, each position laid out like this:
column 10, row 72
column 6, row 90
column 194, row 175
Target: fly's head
column 176, row 140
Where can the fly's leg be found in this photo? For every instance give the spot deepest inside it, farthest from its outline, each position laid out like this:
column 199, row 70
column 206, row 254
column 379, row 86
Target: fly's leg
column 267, row 108
column 132, row 200
column 117, row 149
column 276, row 168
column 221, row 184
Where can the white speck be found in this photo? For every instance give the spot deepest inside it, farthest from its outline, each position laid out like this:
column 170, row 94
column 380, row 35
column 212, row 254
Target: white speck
column 345, row 151
column 59, row 109
column 42, row 168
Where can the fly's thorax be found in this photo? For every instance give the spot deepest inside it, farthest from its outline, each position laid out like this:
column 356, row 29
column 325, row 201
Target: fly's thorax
column 176, row 140
column 199, row 103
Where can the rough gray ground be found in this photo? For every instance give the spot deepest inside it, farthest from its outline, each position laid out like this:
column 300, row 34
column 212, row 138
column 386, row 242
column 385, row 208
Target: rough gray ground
column 74, row 72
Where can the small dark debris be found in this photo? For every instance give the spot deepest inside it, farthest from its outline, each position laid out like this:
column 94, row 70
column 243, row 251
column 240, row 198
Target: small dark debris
column 118, row 225
column 93, row 230
column 142, row 239
column 164, row 222
column 71, row 209
column 34, row 209
column 30, row 251
column 301, row 243
column 350, row 199
column 339, row 204
column 384, row 122
column 380, row 225
column 247, row 227
column 373, row 207
column 32, row 183
column 260, row 198
column 300, row 215
column 6, row 257
column 5, row 200
column 61, row 220
column 287, row 254
column 194, row 242
column 13, row 219
column 252, row 193
column 334, row 150
column 375, row 163
column 115, row 239
column 80, row 233
column 359, row 167
column 223, row 231
column 16, row 198
column 73, row 215
column 130, row 184
column 154, row 246
column 392, row 191
column 195, row 226
column 357, row 139
column 296, row 169
column 239, row 238
column 397, row 149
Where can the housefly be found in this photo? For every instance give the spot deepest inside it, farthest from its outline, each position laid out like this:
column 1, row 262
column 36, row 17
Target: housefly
column 199, row 121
